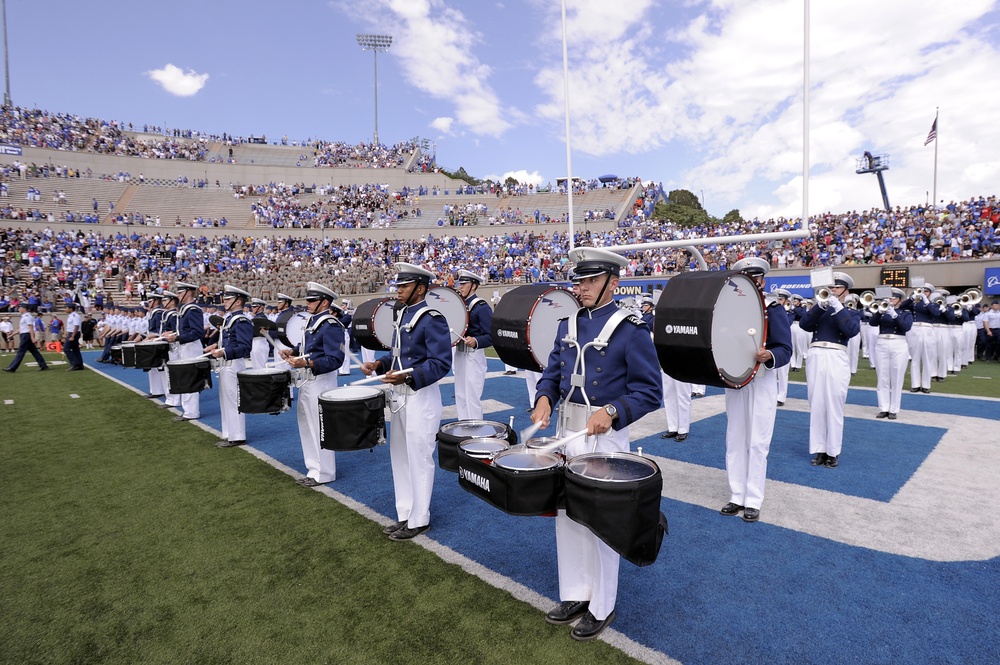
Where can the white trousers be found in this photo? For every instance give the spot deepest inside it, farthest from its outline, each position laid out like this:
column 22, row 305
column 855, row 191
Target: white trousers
column 781, row 374
column 969, row 327
column 588, row 569
column 891, row 372
column 470, row 377
column 234, row 423
column 942, row 337
column 412, row 439
column 321, row 465
column 676, row 404
column 854, row 349
column 750, row 415
column 259, row 351
column 828, row 375
column 345, row 367
column 923, row 352
column 157, row 382
column 191, row 402
column 958, row 352
column 799, row 344
column 531, row 380
column 173, row 353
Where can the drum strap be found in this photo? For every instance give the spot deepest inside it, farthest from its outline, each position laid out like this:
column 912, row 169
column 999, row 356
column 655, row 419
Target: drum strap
column 326, row 318
column 233, row 319
column 577, row 379
column 475, row 301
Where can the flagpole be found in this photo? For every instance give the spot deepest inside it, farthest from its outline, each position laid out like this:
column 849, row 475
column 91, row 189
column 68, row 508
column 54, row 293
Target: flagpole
column 937, row 138
column 569, row 160
column 805, row 119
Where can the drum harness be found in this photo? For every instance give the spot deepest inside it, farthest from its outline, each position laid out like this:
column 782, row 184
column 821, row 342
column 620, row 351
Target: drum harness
column 397, row 351
column 462, row 346
column 302, row 375
column 219, row 363
column 571, row 413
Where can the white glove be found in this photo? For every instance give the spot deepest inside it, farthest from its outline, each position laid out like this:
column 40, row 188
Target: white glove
column 835, row 305
column 921, row 296
column 891, row 312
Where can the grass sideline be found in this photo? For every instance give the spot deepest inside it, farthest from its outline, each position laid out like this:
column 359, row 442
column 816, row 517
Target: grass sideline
column 130, row 538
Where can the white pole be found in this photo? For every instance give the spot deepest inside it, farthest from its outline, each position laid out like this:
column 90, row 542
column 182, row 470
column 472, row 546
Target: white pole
column 805, row 120
column 569, row 161
column 713, row 240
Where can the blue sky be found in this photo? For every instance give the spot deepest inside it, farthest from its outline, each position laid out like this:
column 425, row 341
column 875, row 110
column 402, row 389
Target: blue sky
column 705, row 96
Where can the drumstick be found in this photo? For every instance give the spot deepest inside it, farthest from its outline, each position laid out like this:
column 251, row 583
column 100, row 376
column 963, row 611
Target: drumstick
column 529, row 431
column 376, row 377
column 548, row 447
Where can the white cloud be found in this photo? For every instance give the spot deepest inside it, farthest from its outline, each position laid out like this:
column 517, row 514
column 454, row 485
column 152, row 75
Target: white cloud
column 178, row 82
column 521, row 175
column 443, row 125
column 434, row 44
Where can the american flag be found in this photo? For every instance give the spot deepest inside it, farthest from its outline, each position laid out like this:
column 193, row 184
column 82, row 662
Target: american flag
column 932, row 134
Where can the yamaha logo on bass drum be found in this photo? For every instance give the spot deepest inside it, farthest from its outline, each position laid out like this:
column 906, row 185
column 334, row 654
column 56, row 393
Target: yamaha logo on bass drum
column 681, row 330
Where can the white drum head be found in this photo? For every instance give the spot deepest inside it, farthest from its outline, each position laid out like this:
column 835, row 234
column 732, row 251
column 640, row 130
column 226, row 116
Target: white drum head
column 737, row 328
column 350, row 394
column 450, row 303
column 383, row 322
column 295, row 329
column 543, row 322
column 264, row 371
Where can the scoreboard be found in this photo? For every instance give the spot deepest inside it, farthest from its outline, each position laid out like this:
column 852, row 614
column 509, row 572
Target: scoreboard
column 898, row 277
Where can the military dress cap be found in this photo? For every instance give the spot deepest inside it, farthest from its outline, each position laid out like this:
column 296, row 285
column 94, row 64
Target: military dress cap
column 647, row 300
column 154, row 296
column 284, row 296
column 593, row 261
column 185, row 286
column 752, row 265
column 927, row 287
column 796, row 296
column 944, row 292
column 257, row 302
column 469, row 276
column 843, row 279
column 316, row 291
column 167, row 295
column 951, row 300
column 784, row 293
column 230, row 291
column 407, row 272
column 898, row 293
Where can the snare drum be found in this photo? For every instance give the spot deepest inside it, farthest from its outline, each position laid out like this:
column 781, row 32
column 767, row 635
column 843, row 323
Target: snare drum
column 617, row 497
column 151, row 354
column 266, row 390
column 351, row 418
column 189, row 375
column 452, row 434
column 526, row 322
column 519, row 481
column 709, row 326
column 372, row 323
column 450, row 303
column 128, row 354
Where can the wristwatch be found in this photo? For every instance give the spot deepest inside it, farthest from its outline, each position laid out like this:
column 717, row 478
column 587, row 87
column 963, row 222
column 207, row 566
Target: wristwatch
column 408, row 380
column 612, row 411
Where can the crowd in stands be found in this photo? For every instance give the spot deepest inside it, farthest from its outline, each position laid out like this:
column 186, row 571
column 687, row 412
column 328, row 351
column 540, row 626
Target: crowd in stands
column 43, row 263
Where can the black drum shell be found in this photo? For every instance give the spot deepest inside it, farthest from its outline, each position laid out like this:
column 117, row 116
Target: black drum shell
column 151, row 356
column 523, row 493
column 116, row 353
column 363, row 324
column 447, row 444
column 189, row 377
column 689, row 300
column 356, row 424
column 624, row 514
column 511, row 322
column 128, row 355
column 263, row 393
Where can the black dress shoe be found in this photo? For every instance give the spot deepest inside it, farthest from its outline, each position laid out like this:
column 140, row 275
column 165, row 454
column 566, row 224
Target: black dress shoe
column 681, row 437
column 731, row 509
column 43, row 369
column 589, row 627
column 75, row 369
column 394, row 527
column 892, row 416
column 914, row 390
column 8, row 369
column 781, row 403
column 406, row 533
column 180, row 419
column 882, row 414
column 567, row 611
column 163, row 406
column 926, row 391
column 230, row 444
column 831, row 462
column 819, row 459
column 751, row 514
column 153, row 396
column 668, row 435
column 309, row 482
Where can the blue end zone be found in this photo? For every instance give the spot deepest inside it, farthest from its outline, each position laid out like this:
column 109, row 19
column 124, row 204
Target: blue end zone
column 722, row 591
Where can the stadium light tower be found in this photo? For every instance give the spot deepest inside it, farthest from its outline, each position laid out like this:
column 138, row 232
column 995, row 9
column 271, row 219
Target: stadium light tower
column 375, row 43
column 6, row 65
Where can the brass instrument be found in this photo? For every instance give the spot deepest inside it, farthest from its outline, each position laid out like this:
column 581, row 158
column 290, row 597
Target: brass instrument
column 971, row 297
column 957, row 308
column 878, row 307
column 823, row 296
column 867, row 299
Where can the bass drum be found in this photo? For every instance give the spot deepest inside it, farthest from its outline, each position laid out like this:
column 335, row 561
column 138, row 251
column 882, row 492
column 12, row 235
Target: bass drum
column 708, row 327
column 526, row 322
column 518, row 481
column 373, row 322
column 452, row 434
column 450, row 303
column 617, row 497
column 290, row 327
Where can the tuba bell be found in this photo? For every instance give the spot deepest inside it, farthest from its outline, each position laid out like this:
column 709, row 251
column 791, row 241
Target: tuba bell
column 971, row 297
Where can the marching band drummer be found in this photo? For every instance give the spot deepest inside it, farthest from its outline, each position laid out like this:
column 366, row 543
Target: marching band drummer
column 168, row 324
column 750, row 410
column 260, row 348
column 322, row 353
column 190, row 331
column 153, row 330
column 892, row 353
column 782, row 372
column 828, row 371
column 421, row 342
column 234, row 347
column 284, row 304
column 603, row 393
column 470, row 354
